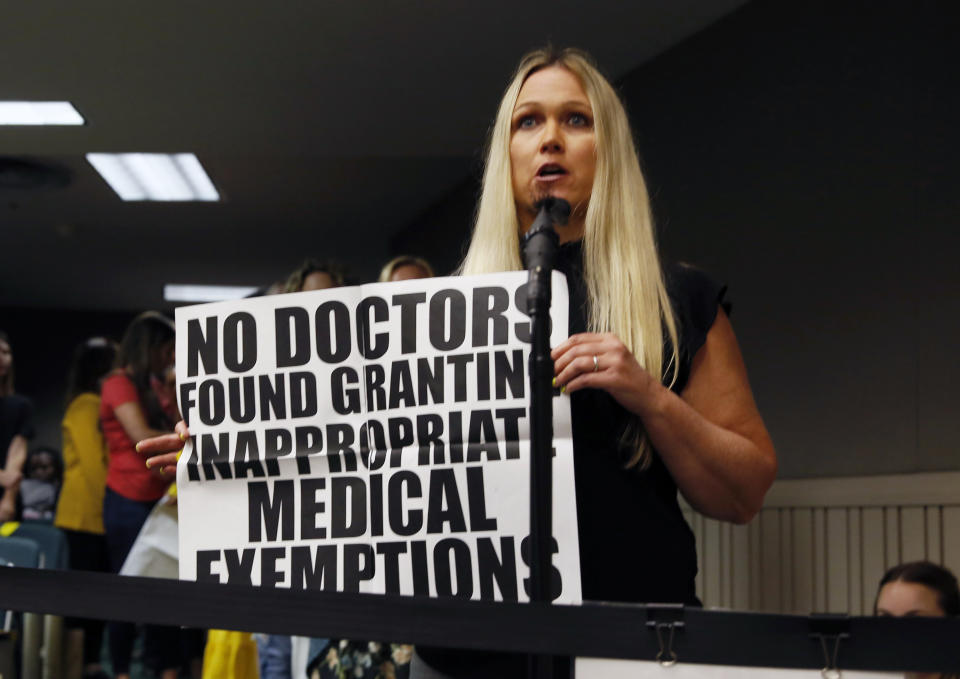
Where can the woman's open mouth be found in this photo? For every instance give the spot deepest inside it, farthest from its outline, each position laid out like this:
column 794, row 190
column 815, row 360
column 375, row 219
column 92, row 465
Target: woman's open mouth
column 550, row 172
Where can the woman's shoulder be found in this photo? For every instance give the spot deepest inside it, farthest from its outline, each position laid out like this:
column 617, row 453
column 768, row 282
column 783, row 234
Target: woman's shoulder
column 118, row 388
column 695, row 297
column 694, row 294
column 83, row 403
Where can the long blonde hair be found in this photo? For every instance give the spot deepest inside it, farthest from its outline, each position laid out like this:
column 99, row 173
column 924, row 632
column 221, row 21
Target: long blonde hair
column 625, row 285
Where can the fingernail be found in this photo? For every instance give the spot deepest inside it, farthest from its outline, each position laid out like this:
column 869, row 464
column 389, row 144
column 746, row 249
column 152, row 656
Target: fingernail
column 563, row 389
column 554, row 381
column 179, row 453
column 148, row 464
column 182, row 437
column 137, row 448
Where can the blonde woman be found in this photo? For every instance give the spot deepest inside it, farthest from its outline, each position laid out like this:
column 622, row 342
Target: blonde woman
column 405, row 268
column 659, row 392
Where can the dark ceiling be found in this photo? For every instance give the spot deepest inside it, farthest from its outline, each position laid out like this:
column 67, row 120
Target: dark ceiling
column 327, row 126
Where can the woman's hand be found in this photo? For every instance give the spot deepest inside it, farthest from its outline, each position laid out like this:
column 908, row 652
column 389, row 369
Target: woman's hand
column 163, row 451
column 591, row 360
column 711, row 437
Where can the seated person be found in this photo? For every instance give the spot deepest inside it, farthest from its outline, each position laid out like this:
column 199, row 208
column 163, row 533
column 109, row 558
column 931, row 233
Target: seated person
column 918, row 588
column 42, row 476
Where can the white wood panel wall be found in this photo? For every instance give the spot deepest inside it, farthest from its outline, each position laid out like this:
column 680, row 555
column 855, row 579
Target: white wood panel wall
column 821, row 545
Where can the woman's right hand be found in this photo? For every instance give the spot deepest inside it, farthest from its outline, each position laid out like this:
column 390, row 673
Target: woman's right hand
column 163, row 451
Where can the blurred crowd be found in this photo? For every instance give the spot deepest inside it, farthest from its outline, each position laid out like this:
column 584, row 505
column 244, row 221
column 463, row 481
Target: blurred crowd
column 97, row 491
column 100, row 495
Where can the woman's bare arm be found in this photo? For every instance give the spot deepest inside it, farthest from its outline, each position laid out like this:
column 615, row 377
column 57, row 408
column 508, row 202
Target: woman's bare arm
column 10, row 477
column 711, row 438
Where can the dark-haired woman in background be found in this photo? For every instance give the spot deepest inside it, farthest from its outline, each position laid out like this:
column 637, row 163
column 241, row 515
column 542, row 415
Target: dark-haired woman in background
column 137, row 401
column 80, row 507
column 16, row 427
column 919, row 588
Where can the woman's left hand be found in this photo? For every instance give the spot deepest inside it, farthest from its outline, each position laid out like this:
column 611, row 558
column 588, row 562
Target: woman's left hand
column 590, row 360
column 710, row 436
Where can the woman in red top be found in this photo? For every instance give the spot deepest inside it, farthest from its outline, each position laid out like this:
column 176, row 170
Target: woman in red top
column 136, row 401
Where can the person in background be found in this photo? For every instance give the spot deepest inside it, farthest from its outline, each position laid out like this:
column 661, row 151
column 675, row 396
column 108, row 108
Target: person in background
column 314, row 275
column 16, row 428
column 660, row 401
column 278, row 653
column 369, row 659
column 137, row 401
column 42, row 476
column 919, row 588
column 80, row 507
column 405, row 268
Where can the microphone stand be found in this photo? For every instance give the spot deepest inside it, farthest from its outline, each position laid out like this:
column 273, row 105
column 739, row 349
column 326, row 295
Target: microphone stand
column 539, row 251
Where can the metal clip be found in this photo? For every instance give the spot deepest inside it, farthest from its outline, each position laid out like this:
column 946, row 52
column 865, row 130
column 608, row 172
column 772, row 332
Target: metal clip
column 665, row 619
column 830, row 628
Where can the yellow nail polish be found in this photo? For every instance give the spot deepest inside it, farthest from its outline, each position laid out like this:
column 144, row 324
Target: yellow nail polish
column 179, row 453
column 148, row 464
column 137, row 447
column 554, row 381
column 563, row 389
column 182, row 437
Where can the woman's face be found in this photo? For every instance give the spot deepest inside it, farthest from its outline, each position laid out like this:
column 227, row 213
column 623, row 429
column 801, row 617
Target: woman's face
column 6, row 358
column 42, row 467
column 906, row 599
column 408, row 272
column 552, row 147
column 317, row 280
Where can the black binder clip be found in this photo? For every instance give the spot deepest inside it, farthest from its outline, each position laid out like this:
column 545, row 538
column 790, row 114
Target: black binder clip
column 830, row 629
column 665, row 619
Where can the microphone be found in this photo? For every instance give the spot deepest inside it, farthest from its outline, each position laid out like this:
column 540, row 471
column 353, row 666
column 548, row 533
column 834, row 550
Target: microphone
column 539, row 250
column 539, row 244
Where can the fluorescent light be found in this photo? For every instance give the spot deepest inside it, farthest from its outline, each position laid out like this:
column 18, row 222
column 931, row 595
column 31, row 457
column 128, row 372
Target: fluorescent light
column 205, row 293
column 155, row 176
column 39, row 113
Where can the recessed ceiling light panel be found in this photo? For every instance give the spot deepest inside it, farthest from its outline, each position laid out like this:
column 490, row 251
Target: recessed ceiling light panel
column 205, row 293
column 39, row 113
column 155, row 176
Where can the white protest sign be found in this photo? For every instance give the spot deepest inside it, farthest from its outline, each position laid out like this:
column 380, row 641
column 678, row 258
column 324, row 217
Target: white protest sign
column 369, row 439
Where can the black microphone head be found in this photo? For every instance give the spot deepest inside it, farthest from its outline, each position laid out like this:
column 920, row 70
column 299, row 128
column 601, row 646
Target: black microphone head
column 557, row 208
column 539, row 244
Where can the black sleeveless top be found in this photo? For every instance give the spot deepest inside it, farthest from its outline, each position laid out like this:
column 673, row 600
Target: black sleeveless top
column 635, row 545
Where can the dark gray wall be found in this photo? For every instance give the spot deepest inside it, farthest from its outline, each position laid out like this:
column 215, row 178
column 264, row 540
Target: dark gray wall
column 806, row 155
column 43, row 344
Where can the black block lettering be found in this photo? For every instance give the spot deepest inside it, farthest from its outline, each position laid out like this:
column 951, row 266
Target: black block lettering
column 348, row 502
column 293, row 348
column 239, row 328
column 276, row 514
column 311, row 508
column 353, row 570
column 443, row 503
column 462, row 567
column 404, row 484
column 202, row 347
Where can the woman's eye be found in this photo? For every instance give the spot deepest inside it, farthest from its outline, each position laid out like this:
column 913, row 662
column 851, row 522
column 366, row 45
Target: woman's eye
column 526, row 121
column 579, row 120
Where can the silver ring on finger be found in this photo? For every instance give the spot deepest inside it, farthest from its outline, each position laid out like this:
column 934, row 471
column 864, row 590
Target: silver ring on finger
column 596, row 363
